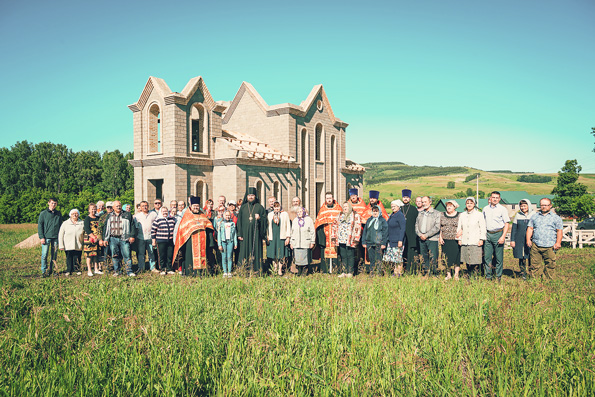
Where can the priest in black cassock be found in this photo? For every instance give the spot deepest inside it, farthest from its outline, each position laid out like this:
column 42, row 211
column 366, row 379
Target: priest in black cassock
column 411, row 246
column 252, row 230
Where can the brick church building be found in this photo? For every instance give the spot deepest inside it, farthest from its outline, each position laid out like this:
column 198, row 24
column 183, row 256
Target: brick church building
column 189, row 144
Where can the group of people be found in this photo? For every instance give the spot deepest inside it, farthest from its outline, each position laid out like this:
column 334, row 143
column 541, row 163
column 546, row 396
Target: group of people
column 193, row 240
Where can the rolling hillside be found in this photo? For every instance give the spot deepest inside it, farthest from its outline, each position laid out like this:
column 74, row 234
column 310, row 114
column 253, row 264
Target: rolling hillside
column 391, row 178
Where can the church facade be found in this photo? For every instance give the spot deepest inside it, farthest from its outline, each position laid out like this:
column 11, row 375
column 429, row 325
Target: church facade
column 189, row 144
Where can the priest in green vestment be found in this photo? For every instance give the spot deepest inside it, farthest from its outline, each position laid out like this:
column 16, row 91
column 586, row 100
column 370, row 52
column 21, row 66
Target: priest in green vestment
column 252, row 230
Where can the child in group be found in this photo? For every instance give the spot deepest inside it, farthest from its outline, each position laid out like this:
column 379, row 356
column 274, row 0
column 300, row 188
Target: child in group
column 228, row 241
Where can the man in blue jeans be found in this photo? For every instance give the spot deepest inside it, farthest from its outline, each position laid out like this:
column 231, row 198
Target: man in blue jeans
column 48, row 226
column 119, row 230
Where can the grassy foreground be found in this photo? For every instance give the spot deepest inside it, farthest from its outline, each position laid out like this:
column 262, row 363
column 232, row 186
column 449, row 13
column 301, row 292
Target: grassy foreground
column 320, row 335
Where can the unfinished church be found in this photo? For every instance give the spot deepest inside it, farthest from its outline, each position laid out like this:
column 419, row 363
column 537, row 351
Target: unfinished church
column 189, row 144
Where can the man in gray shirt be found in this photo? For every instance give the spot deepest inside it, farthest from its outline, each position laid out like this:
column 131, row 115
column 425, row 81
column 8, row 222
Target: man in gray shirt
column 427, row 227
column 497, row 219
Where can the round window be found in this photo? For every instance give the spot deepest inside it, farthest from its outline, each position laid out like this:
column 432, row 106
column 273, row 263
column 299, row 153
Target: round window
column 319, row 104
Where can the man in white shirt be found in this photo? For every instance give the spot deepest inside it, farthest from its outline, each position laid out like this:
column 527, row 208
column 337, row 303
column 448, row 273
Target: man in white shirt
column 145, row 220
column 497, row 223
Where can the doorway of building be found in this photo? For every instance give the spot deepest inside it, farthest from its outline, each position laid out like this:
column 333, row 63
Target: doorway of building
column 319, row 196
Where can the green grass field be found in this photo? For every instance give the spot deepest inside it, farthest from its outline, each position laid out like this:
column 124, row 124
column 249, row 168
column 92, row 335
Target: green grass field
column 435, row 186
column 319, row 335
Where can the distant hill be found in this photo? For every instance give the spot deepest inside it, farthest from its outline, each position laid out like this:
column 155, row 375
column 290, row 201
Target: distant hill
column 391, row 177
column 384, row 172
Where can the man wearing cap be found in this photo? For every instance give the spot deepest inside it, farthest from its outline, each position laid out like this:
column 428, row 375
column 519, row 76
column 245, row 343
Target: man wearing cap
column 427, row 227
column 497, row 219
column 411, row 245
column 192, row 238
column 326, row 231
column 251, row 230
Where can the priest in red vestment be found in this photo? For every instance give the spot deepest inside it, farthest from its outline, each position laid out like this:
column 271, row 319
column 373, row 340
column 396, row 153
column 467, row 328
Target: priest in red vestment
column 326, row 231
column 193, row 239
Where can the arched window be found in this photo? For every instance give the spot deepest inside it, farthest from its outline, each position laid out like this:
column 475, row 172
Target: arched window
column 319, row 141
column 198, row 123
column 154, row 129
column 305, row 167
column 260, row 191
column 334, row 166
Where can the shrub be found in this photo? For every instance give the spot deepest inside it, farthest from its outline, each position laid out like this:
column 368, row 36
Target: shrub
column 534, row 178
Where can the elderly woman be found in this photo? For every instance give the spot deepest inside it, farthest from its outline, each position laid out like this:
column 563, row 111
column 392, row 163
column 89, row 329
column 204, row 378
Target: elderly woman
column 471, row 233
column 396, row 236
column 162, row 238
column 91, row 239
column 70, row 240
column 349, row 233
column 518, row 242
column 449, row 222
column 302, row 240
column 278, row 238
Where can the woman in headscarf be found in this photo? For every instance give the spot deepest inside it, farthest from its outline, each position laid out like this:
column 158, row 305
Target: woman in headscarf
column 520, row 250
column 471, row 233
column 252, row 229
column 449, row 221
column 279, row 234
column 70, row 240
column 349, row 232
column 302, row 240
column 396, row 236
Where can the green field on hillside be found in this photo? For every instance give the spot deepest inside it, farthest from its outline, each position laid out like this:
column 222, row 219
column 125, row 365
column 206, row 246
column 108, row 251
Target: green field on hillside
column 317, row 335
column 435, row 184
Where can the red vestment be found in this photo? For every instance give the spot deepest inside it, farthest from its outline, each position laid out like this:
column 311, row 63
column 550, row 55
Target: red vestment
column 327, row 217
column 368, row 212
column 193, row 227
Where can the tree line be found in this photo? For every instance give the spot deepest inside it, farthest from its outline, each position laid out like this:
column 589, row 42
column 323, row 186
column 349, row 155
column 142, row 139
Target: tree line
column 32, row 173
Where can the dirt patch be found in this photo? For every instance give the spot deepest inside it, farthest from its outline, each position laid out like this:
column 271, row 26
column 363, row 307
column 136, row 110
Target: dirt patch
column 30, row 242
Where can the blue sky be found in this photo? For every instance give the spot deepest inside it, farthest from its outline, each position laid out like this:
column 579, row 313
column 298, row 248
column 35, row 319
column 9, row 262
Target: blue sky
column 493, row 85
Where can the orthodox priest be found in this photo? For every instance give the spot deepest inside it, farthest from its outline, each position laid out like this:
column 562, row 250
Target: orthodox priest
column 193, row 239
column 411, row 246
column 374, row 202
column 326, row 231
column 357, row 203
column 252, row 231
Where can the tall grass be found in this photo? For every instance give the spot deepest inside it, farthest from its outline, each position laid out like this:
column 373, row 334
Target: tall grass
column 317, row 335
